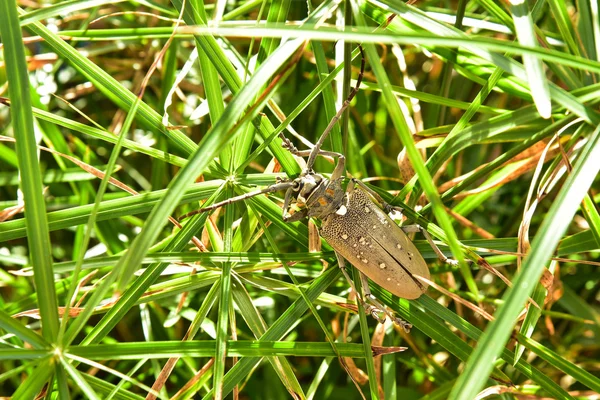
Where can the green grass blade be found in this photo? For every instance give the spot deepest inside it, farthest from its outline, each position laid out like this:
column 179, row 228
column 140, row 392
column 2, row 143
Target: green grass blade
column 415, row 157
column 33, row 385
column 564, row 207
column 10, row 325
column 277, row 330
column 38, row 234
column 534, row 68
column 111, row 88
column 209, row 147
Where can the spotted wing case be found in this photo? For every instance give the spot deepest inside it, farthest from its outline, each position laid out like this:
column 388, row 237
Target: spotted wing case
column 373, row 243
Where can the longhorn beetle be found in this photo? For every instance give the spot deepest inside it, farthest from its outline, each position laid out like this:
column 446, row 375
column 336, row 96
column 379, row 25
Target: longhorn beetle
column 358, row 230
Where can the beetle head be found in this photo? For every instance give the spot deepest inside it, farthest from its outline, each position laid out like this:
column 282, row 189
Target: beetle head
column 307, row 183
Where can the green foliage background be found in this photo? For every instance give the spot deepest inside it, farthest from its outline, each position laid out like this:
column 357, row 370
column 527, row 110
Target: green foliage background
column 471, row 94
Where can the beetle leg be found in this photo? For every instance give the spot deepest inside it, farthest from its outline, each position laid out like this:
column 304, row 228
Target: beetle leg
column 338, row 171
column 436, row 249
column 297, row 216
column 387, row 207
column 373, row 300
column 369, row 308
column 371, row 305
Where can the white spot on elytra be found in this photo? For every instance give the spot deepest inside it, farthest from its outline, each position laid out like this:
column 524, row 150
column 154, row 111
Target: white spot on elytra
column 367, row 210
column 382, row 265
column 399, row 246
column 342, row 210
column 344, row 236
column 364, row 260
column 389, row 279
column 374, row 226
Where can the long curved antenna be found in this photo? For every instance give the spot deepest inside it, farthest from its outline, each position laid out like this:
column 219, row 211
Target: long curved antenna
column 273, row 188
column 337, row 116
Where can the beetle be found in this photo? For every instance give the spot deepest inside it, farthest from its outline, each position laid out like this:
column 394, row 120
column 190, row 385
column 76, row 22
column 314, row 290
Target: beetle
column 358, row 230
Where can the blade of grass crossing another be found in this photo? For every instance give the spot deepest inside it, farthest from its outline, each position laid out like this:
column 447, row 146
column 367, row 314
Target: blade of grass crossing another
column 224, row 304
column 534, row 68
column 531, row 319
column 79, row 380
column 511, row 66
column 123, row 272
column 223, row 131
column 302, row 293
column 148, row 277
column 111, row 88
column 277, row 12
column 442, row 315
column 38, row 233
column 551, row 230
column 11, row 325
column 215, row 53
column 277, row 330
column 41, row 374
column 212, row 85
column 366, row 339
column 416, row 160
column 254, row 319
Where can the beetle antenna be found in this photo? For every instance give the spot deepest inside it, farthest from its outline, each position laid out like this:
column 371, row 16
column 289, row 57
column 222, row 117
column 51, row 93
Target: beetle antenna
column 315, row 151
column 270, row 189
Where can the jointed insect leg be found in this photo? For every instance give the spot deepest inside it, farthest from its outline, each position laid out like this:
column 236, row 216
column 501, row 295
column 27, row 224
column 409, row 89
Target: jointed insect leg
column 339, row 167
column 371, row 304
column 368, row 308
column 316, row 151
column 436, row 249
column 373, row 300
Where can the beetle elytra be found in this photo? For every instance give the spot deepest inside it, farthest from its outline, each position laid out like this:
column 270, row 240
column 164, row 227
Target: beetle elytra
column 358, row 230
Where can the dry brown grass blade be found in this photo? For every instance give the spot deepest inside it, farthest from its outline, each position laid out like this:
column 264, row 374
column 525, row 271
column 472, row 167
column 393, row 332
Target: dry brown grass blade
column 530, row 203
column 35, row 313
column 383, row 350
column 515, row 253
column 164, row 374
column 467, row 223
column 103, row 308
column 73, row 310
column 376, row 347
column 86, row 167
column 139, row 13
column 358, row 376
column 10, row 212
column 456, row 298
column 100, row 175
column 191, row 383
column 525, row 161
column 498, row 390
column 547, row 279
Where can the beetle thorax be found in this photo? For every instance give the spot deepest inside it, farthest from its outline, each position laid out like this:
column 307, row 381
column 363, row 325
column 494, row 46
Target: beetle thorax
column 319, row 195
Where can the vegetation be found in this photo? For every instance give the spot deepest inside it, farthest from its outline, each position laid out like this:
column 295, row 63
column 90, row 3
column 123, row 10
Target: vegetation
column 479, row 121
